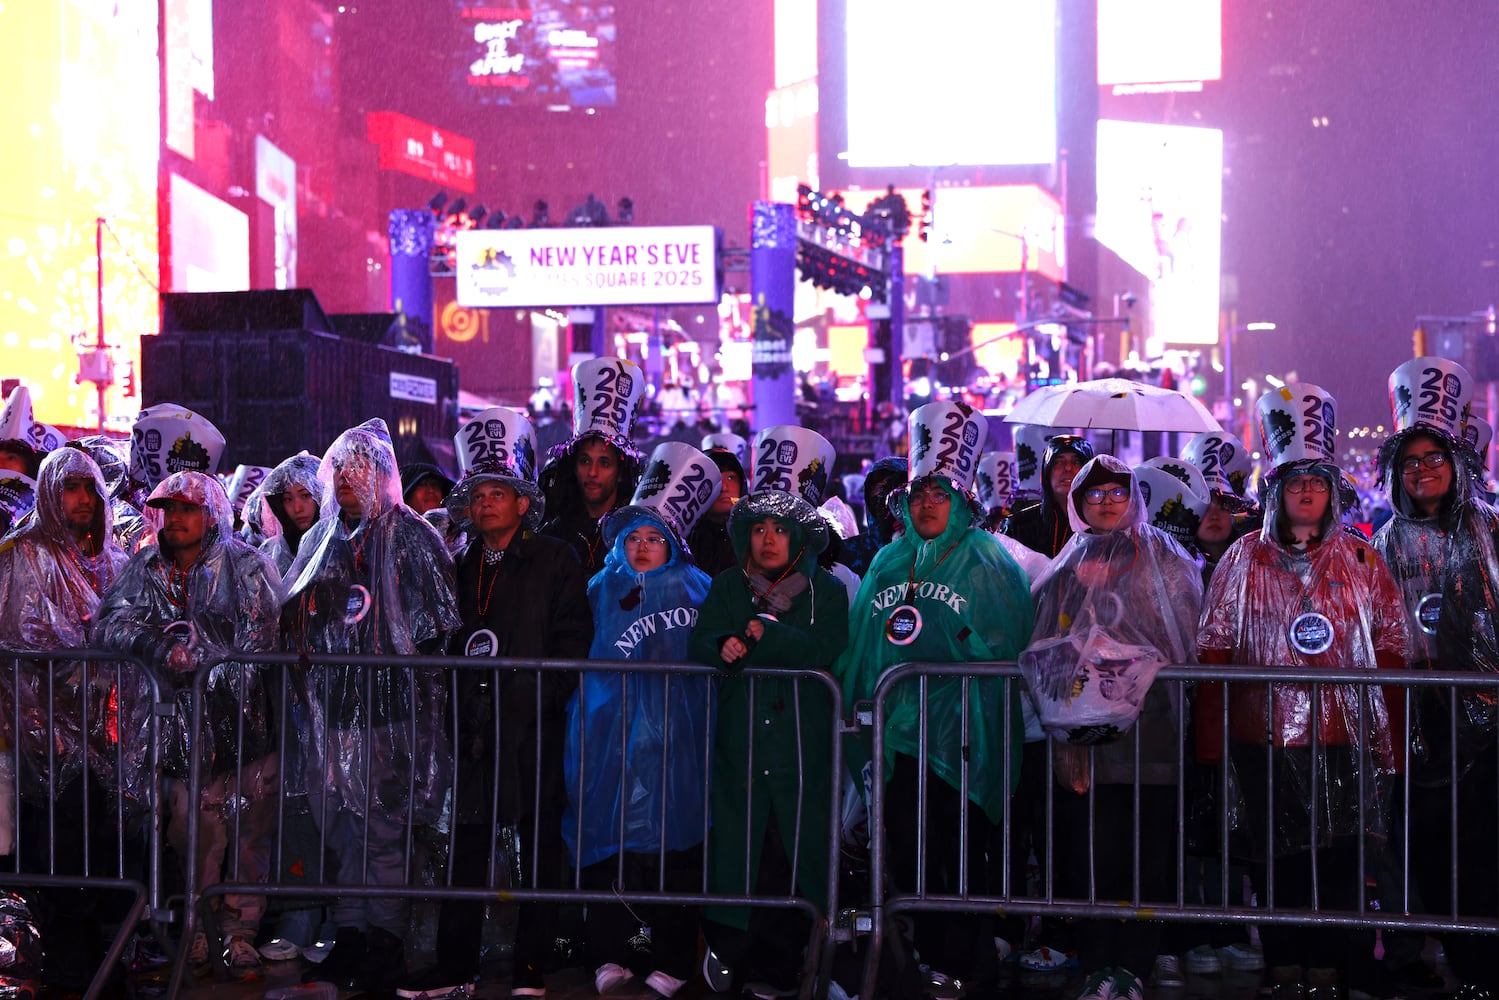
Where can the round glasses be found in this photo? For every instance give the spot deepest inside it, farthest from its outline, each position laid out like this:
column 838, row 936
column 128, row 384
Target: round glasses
column 1098, row 495
column 930, row 498
column 1432, row 460
column 1306, row 484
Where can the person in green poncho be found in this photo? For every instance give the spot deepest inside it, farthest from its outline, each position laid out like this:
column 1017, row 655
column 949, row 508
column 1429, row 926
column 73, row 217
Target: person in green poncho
column 943, row 591
column 777, row 608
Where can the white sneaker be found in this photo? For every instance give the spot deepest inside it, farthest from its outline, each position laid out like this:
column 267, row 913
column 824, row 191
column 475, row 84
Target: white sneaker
column 1203, row 961
column 609, row 975
column 1167, row 973
column 242, row 960
column 1241, row 958
column 279, row 950
column 664, row 984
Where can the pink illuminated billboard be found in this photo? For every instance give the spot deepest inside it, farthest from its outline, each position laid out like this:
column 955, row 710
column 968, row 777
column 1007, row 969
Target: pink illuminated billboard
column 1160, row 208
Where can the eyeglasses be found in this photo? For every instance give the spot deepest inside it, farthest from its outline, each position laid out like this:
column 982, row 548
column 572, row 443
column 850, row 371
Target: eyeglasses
column 1098, row 495
column 930, row 498
column 1432, row 460
column 648, row 540
column 1306, row 484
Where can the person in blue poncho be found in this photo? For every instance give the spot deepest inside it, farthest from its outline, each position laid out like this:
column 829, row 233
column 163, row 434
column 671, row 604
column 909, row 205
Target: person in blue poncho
column 943, row 591
column 636, row 757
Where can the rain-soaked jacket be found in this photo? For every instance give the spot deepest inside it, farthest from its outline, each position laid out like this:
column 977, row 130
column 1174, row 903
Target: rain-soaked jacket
column 49, row 593
column 282, row 538
column 1141, row 588
column 662, row 737
column 401, row 563
column 1260, row 587
column 1046, row 526
column 230, row 597
column 127, row 498
column 974, row 605
column 1454, row 555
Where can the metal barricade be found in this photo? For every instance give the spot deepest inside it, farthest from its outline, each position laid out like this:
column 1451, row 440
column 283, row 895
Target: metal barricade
column 518, row 705
column 81, row 738
column 1383, row 898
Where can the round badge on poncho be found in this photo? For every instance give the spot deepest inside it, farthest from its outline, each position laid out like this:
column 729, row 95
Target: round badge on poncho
column 1311, row 633
column 482, row 643
column 359, row 604
column 903, row 625
column 1429, row 612
column 181, row 631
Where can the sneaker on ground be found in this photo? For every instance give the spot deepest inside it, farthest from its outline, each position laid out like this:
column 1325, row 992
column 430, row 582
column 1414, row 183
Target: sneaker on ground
column 1003, row 950
column 432, row 984
column 1112, row 983
column 242, row 960
column 1046, row 960
column 664, row 983
column 1241, row 958
column 1203, row 961
column 279, row 950
column 766, row 991
column 527, row 981
column 1167, row 973
column 609, row 975
column 940, row 986
column 716, row 974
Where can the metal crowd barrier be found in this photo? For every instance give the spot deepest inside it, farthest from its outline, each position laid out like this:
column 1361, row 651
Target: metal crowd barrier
column 83, row 811
column 499, row 885
column 886, row 901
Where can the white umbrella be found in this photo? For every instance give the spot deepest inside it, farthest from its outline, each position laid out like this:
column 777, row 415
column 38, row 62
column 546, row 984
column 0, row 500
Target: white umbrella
column 1113, row 404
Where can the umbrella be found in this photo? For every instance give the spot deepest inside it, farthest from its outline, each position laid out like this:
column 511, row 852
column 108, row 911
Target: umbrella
column 1113, row 404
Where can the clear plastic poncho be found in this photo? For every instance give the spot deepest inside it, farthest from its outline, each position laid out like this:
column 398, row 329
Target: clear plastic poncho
column 49, row 594
column 663, row 739
column 1134, row 587
column 1447, row 568
column 126, row 496
column 228, row 602
column 300, row 470
column 381, row 585
column 1258, row 593
column 974, row 605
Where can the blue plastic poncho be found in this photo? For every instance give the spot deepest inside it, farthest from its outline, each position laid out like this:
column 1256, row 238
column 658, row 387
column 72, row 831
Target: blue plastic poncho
column 635, row 741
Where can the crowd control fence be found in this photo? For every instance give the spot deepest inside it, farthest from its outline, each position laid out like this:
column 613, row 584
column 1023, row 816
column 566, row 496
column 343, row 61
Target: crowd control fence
column 1429, row 711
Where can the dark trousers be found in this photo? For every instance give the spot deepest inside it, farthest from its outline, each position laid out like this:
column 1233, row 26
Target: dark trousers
column 952, row 943
column 1131, row 943
column 673, row 929
column 1477, row 866
column 771, row 950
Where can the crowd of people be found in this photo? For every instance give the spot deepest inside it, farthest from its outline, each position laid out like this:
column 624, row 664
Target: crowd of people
column 734, row 554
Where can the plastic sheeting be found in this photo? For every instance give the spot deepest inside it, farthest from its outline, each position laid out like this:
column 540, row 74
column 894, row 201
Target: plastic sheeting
column 643, row 750
column 1258, row 592
column 379, row 581
column 49, row 593
column 1447, row 568
column 973, row 605
column 1137, row 587
column 299, row 470
column 230, row 599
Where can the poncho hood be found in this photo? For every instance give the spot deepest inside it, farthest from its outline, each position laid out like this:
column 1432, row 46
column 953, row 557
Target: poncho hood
column 1096, row 470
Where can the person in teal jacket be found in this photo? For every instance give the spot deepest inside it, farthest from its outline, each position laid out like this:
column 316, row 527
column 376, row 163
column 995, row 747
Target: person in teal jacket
column 777, row 608
column 943, row 591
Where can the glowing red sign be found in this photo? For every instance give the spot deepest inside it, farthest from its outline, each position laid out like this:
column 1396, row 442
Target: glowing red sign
column 423, row 150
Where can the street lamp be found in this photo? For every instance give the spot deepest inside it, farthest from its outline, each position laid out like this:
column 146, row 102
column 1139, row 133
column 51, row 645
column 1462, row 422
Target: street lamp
column 1228, row 366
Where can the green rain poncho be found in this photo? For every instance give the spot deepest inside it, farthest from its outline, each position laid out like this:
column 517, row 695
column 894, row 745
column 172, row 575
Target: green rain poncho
column 975, row 605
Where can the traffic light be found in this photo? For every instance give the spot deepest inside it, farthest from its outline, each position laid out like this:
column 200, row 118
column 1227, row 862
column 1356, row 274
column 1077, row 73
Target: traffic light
column 127, row 384
column 926, row 214
column 1197, row 385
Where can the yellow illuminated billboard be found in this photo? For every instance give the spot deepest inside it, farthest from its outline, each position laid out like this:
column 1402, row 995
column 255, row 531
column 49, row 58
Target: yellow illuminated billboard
column 82, row 133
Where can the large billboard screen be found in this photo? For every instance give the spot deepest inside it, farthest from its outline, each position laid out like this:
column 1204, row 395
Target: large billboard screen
column 82, row 93
column 611, row 266
column 1160, row 208
column 547, row 54
column 1159, row 41
column 951, row 83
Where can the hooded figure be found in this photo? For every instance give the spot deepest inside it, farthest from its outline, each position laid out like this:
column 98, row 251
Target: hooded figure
column 370, row 577
column 1121, row 599
column 127, row 499
column 777, row 608
column 880, row 522
column 1305, row 593
column 186, row 602
column 712, row 550
column 284, row 500
column 1440, row 546
column 640, row 743
column 1046, row 526
column 52, row 573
